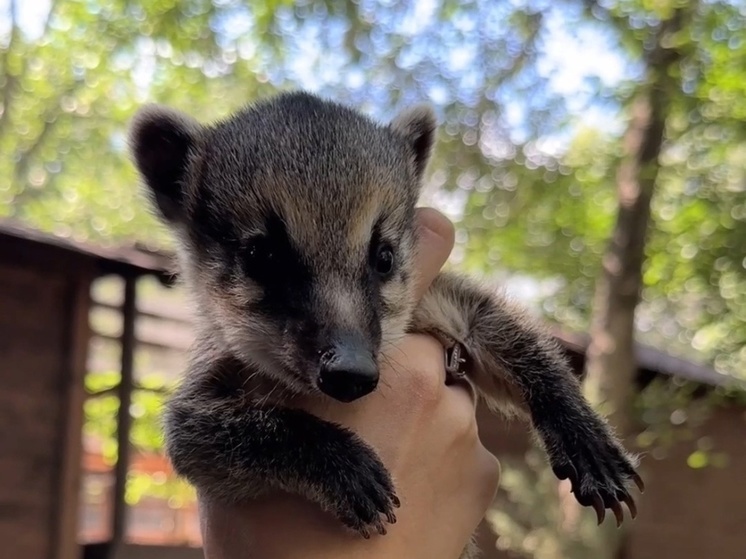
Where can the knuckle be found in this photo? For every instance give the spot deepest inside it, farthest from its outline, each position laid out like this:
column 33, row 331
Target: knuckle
column 427, row 371
column 486, row 474
column 426, row 391
column 466, row 424
column 421, row 368
column 490, row 478
column 462, row 413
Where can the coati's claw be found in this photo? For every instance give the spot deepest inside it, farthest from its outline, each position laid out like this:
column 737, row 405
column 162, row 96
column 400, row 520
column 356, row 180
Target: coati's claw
column 455, row 355
column 598, row 506
column 365, row 498
column 638, row 481
column 455, row 362
column 630, row 502
column 597, row 467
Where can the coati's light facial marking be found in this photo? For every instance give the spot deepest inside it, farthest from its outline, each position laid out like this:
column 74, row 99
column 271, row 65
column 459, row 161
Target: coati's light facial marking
column 296, row 223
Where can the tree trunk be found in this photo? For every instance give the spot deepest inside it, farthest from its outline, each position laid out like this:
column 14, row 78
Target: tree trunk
column 611, row 365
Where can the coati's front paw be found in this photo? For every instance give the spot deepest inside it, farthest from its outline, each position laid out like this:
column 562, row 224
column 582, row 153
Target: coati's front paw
column 362, row 493
column 598, row 468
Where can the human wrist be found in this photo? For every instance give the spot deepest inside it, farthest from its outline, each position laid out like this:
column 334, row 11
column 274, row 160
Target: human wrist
column 274, row 527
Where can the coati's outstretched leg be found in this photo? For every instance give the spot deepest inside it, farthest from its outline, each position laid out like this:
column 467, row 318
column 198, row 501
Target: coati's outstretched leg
column 518, row 367
column 233, row 450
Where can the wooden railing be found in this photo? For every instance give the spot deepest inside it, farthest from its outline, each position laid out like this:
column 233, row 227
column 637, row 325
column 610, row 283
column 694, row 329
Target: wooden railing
column 138, row 328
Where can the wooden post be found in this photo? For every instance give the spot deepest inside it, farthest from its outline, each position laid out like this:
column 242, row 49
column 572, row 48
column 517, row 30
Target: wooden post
column 124, row 419
column 65, row 517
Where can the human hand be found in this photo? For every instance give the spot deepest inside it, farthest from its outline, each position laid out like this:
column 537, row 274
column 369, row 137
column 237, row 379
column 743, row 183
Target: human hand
column 424, row 431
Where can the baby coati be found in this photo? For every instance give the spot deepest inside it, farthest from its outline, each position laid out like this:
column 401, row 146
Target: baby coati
column 296, row 235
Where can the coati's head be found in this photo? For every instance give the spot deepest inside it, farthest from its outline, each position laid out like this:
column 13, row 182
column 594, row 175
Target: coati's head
column 295, row 219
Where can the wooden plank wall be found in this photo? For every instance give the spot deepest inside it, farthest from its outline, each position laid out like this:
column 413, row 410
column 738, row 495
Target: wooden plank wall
column 43, row 340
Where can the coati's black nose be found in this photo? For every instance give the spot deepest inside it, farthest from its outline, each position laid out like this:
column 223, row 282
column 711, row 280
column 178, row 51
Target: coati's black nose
column 348, row 371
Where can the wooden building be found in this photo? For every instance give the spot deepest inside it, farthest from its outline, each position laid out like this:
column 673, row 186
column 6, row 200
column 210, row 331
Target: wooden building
column 45, row 303
column 52, row 335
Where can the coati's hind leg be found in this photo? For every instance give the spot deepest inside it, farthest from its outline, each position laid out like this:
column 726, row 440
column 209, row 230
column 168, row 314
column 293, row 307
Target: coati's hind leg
column 517, row 367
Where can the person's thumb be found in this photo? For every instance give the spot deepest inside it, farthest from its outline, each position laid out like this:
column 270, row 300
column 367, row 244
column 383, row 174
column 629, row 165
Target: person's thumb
column 435, row 239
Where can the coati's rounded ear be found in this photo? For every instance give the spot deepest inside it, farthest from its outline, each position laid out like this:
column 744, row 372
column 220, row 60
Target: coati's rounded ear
column 162, row 140
column 417, row 125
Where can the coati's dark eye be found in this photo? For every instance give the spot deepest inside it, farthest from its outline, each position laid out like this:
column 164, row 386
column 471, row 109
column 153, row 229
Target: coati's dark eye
column 259, row 250
column 257, row 253
column 271, row 261
column 384, row 260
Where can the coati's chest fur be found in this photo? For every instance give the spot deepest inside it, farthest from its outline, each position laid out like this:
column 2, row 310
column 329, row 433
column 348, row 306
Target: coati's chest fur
column 295, row 224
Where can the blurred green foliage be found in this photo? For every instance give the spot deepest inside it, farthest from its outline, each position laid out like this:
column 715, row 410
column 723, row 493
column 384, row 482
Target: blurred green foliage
column 524, row 169
column 101, row 410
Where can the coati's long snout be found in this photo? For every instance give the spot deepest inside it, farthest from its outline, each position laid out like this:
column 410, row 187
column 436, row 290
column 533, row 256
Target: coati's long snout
column 348, row 369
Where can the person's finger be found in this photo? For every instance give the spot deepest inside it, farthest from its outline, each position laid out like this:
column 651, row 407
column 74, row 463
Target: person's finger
column 419, row 367
column 435, row 239
column 459, row 409
column 466, row 392
column 489, row 474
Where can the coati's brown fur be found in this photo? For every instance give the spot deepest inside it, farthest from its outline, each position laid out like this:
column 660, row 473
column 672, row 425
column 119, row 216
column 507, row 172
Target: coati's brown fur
column 295, row 222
